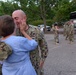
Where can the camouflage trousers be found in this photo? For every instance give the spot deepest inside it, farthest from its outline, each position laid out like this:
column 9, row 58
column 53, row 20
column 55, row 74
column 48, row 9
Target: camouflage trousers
column 56, row 38
column 71, row 37
column 66, row 35
column 40, row 72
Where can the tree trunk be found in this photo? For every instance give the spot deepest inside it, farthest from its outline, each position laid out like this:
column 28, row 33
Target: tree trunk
column 43, row 13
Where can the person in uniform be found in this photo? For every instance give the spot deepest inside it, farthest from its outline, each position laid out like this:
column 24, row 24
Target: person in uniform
column 56, row 33
column 71, row 31
column 66, row 30
column 39, row 55
column 5, row 51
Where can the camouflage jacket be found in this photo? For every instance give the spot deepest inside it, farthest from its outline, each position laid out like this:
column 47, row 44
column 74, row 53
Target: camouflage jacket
column 42, row 49
column 5, row 51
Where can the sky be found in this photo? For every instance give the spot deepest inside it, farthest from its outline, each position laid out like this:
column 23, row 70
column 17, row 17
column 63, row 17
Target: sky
column 3, row 0
column 6, row 0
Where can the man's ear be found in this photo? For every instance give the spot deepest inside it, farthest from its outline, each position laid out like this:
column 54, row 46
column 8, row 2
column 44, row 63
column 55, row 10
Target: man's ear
column 25, row 18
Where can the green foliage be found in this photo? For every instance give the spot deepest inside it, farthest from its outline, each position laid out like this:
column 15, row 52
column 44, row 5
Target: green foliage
column 49, row 22
column 64, row 9
column 37, row 22
column 7, row 7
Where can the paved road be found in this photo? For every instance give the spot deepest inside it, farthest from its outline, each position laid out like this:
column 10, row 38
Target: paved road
column 61, row 58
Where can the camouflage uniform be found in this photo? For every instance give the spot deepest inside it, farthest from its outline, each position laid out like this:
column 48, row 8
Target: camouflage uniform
column 71, row 32
column 66, row 31
column 56, row 35
column 5, row 51
column 42, row 48
column 64, row 27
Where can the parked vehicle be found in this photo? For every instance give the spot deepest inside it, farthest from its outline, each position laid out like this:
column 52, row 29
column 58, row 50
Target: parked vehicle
column 73, row 17
column 48, row 28
column 74, row 21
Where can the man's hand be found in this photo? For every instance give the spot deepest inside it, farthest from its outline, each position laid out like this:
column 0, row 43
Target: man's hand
column 41, row 63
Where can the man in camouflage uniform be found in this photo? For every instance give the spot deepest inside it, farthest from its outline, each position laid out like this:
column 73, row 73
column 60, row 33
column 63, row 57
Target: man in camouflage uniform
column 5, row 51
column 71, row 31
column 37, row 59
column 66, row 30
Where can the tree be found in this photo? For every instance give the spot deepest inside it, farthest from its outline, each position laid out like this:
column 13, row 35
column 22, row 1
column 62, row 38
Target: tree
column 7, row 7
column 63, row 11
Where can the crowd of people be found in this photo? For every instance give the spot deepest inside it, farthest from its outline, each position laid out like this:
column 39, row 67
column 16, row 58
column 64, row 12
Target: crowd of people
column 23, row 46
column 68, row 31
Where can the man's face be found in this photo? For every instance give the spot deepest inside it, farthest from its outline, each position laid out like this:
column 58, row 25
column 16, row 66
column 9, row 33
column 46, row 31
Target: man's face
column 17, row 19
